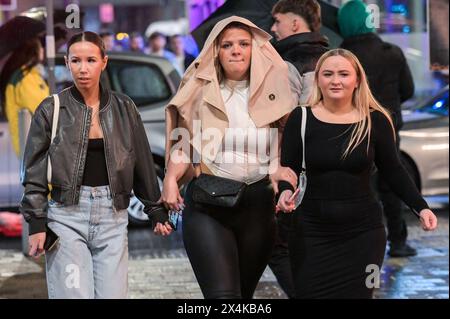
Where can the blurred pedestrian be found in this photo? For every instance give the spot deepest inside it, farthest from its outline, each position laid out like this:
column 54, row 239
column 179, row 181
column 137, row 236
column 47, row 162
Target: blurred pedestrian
column 136, row 42
column 157, row 46
column 296, row 28
column 109, row 41
column 99, row 154
column 183, row 58
column 238, row 83
column 391, row 82
column 337, row 239
column 22, row 85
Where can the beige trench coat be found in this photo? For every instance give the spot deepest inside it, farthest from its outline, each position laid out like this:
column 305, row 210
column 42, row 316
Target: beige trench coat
column 199, row 96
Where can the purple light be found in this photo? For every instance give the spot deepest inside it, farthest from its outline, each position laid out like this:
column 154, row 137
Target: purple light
column 199, row 10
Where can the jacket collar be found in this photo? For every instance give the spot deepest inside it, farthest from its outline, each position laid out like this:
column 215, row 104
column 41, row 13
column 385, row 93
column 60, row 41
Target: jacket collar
column 306, row 38
column 104, row 95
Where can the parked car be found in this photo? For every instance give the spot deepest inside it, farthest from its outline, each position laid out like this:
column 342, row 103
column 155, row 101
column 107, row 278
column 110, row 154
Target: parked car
column 424, row 144
column 150, row 81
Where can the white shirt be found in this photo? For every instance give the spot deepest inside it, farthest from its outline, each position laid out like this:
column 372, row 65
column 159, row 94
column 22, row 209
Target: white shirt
column 238, row 158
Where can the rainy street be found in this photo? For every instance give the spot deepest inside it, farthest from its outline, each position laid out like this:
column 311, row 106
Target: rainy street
column 160, row 269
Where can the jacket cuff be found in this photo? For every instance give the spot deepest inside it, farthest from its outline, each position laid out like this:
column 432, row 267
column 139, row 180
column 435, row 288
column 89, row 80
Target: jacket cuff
column 419, row 208
column 283, row 185
column 157, row 215
column 37, row 225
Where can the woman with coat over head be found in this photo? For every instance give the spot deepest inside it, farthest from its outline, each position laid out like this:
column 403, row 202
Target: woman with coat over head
column 238, row 83
column 99, row 154
column 337, row 238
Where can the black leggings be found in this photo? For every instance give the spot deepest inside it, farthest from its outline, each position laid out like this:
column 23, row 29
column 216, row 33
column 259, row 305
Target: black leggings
column 229, row 248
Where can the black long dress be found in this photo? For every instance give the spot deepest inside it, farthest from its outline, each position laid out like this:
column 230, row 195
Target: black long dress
column 337, row 234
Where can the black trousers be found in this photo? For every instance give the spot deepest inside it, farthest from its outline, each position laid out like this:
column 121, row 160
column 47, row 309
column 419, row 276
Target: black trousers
column 229, row 248
column 397, row 231
column 279, row 262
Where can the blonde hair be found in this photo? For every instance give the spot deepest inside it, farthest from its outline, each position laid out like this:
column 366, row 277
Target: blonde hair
column 362, row 99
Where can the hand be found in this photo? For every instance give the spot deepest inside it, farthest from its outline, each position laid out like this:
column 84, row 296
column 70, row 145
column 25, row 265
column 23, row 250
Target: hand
column 285, row 202
column 283, row 174
column 428, row 220
column 36, row 245
column 163, row 230
column 170, row 195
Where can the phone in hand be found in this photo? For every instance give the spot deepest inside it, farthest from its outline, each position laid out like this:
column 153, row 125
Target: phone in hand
column 174, row 216
column 51, row 239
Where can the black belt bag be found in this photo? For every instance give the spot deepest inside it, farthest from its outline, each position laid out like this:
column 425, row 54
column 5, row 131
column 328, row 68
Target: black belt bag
column 217, row 191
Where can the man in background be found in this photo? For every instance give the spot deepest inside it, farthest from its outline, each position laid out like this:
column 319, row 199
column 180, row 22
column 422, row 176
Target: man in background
column 183, row 58
column 108, row 40
column 157, row 46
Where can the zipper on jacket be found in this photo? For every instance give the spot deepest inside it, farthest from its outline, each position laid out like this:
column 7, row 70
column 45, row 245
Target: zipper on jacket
column 106, row 158
column 77, row 177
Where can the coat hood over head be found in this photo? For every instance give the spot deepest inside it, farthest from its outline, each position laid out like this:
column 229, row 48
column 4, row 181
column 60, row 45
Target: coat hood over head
column 199, row 96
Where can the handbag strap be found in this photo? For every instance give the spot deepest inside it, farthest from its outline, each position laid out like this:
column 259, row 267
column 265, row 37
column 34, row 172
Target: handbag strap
column 54, row 126
column 303, row 129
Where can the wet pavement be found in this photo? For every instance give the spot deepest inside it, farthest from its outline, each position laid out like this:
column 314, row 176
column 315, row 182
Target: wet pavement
column 160, row 269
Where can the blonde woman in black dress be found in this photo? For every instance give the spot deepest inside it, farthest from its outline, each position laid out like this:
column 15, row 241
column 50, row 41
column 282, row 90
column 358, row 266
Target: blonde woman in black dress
column 338, row 237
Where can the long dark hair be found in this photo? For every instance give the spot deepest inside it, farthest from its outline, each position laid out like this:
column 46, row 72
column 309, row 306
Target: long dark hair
column 26, row 56
column 89, row 37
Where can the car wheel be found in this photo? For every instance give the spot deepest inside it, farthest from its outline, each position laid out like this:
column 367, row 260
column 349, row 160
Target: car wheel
column 136, row 215
column 411, row 169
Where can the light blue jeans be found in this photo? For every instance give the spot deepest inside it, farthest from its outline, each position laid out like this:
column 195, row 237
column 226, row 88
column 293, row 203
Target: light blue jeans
column 91, row 259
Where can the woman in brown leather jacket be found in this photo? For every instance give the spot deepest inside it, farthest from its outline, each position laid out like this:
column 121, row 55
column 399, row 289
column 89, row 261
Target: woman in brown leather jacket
column 99, row 154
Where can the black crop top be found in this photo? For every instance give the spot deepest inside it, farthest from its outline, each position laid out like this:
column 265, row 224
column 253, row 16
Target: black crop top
column 95, row 171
